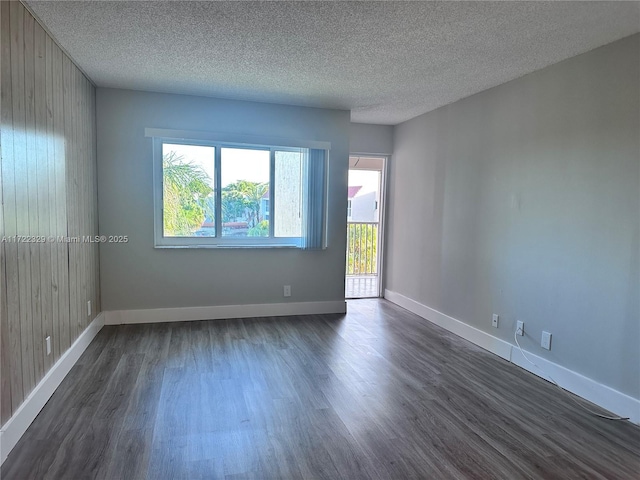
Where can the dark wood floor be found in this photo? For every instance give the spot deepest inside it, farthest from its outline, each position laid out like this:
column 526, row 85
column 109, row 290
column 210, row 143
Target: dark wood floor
column 378, row 393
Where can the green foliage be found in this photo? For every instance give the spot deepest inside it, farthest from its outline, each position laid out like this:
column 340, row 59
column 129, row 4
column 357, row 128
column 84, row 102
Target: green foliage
column 241, row 199
column 234, row 204
column 186, row 196
column 260, row 230
column 362, row 249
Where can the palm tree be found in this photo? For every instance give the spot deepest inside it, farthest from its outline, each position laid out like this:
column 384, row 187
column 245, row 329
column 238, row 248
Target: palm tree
column 243, row 198
column 186, row 190
column 253, row 193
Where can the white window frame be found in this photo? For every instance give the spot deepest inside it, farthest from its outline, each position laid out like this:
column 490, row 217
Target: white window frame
column 219, row 141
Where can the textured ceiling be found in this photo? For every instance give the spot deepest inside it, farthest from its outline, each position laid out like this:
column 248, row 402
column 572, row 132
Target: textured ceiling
column 385, row 61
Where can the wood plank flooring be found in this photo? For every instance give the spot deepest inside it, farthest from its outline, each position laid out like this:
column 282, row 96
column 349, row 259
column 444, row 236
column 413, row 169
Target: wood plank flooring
column 379, row 393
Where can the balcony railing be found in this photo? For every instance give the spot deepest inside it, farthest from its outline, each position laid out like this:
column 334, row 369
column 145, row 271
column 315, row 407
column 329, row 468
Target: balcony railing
column 362, row 248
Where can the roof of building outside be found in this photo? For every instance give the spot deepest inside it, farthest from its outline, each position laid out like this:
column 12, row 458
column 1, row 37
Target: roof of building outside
column 353, row 191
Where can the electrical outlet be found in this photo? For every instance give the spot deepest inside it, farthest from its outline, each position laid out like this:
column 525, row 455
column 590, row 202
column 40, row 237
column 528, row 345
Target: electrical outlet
column 520, row 328
column 89, row 308
column 546, row 340
column 287, row 290
column 494, row 321
column 47, row 341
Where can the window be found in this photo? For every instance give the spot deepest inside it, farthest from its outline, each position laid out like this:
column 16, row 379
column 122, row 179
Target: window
column 211, row 193
column 188, row 190
column 245, row 180
column 349, row 209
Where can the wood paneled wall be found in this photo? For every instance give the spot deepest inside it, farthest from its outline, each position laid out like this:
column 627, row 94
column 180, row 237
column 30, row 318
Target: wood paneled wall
column 49, row 190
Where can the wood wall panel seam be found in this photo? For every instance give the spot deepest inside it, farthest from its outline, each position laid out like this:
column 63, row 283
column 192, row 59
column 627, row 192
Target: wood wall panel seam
column 48, row 189
column 52, row 37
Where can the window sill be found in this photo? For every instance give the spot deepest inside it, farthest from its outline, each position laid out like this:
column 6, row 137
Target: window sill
column 223, row 246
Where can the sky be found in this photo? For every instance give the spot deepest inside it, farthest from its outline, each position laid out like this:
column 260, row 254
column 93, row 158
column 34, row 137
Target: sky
column 252, row 165
column 367, row 179
column 237, row 164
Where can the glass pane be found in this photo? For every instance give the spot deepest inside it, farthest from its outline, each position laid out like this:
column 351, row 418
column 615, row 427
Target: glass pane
column 363, row 196
column 188, row 190
column 288, row 194
column 245, row 192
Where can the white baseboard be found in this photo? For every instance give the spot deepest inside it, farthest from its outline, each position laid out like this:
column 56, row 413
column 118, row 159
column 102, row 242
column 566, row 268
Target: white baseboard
column 474, row 335
column 602, row 395
column 15, row 427
column 184, row 314
column 597, row 393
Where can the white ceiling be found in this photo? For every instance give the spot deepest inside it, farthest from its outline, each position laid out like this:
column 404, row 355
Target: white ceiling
column 385, row 61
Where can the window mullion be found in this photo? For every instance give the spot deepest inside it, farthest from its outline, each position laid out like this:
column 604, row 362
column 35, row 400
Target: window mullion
column 272, row 187
column 203, row 236
column 218, row 189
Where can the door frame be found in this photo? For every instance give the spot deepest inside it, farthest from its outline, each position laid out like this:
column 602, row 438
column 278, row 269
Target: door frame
column 382, row 208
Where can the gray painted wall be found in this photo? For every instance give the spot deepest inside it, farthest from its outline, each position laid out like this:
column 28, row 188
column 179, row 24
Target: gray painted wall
column 372, row 139
column 135, row 275
column 524, row 201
